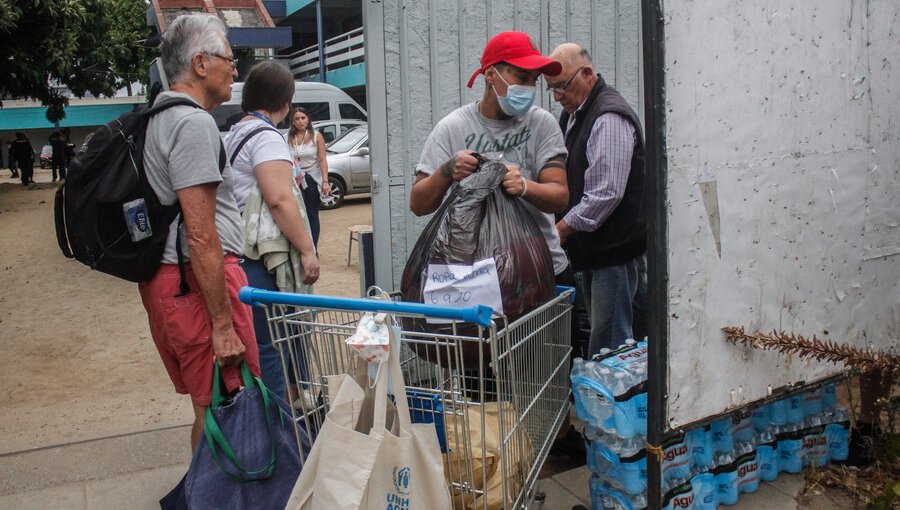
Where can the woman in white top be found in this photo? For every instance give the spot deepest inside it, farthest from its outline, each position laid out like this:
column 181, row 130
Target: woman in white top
column 308, row 149
column 265, row 159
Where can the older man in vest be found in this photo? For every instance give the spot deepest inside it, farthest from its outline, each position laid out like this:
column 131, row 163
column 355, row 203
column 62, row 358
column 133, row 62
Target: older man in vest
column 602, row 229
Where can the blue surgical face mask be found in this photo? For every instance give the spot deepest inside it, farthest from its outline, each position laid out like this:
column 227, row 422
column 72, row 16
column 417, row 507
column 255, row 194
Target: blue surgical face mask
column 518, row 99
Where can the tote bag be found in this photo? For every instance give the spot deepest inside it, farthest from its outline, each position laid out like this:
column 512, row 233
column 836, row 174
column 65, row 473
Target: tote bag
column 248, row 456
column 369, row 455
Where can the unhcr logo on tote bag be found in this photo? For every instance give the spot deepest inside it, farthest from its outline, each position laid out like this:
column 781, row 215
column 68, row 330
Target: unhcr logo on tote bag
column 399, row 499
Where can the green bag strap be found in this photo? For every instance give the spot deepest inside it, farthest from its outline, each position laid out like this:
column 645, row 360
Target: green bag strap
column 217, row 441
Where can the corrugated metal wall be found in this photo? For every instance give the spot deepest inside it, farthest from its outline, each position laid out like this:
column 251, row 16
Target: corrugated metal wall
column 419, row 56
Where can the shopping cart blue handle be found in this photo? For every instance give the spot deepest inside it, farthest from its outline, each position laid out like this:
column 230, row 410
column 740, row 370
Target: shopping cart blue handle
column 477, row 314
column 561, row 289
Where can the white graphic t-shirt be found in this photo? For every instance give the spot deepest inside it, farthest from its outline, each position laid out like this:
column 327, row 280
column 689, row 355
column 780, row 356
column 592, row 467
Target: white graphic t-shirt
column 529, row 141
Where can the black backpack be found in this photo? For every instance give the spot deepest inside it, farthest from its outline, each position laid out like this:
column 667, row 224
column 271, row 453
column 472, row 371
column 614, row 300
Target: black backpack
column 107, row 214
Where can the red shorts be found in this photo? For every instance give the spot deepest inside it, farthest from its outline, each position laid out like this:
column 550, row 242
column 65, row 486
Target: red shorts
column 181, row 328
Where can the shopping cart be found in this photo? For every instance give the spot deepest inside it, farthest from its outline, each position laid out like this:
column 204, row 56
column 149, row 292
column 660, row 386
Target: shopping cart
column 495, row 419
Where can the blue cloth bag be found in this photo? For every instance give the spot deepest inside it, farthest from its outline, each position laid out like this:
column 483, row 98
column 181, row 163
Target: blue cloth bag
column 248, row 456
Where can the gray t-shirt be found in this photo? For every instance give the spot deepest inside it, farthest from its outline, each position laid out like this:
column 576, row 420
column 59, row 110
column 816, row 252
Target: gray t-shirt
column 181, row 150
column 529, row 140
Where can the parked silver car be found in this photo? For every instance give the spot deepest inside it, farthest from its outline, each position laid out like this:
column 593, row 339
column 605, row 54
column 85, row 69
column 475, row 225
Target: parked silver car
column 332, row 129
column 348, row 165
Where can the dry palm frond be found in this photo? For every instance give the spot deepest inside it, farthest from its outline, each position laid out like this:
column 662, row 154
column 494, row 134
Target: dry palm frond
column 816, row 348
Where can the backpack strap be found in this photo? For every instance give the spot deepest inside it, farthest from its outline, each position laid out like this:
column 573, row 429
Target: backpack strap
column 167, row 103
column 247, row 138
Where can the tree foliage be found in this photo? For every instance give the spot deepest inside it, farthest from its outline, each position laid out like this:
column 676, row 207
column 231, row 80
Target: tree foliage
column 90, row 46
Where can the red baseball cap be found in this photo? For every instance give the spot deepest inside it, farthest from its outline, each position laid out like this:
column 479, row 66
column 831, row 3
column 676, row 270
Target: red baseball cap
column 515, row 49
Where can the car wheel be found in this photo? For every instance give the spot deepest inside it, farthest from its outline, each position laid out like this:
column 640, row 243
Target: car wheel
column 338, row 190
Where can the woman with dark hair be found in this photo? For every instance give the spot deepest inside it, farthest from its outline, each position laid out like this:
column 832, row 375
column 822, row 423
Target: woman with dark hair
column 308, row 149
column 279, row 249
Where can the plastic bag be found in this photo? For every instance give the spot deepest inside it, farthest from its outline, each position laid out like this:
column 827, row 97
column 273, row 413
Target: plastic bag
column 481, row 247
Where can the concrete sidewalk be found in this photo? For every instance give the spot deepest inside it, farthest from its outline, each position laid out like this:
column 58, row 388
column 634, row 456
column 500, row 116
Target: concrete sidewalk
column 134, row 471
column 570, row 488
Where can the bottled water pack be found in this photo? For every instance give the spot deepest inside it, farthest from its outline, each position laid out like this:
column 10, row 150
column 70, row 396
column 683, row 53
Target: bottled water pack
column 620, row 463
column 706, row 467
column 733, row 455
column 611, row 389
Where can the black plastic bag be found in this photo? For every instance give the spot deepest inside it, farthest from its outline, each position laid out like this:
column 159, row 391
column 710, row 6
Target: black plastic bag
column 476, row 223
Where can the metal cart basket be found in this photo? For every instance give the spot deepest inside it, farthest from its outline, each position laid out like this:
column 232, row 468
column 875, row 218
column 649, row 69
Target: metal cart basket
column 495, row 418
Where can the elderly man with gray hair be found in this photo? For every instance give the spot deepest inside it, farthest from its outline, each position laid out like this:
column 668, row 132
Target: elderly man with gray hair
column 185, row 161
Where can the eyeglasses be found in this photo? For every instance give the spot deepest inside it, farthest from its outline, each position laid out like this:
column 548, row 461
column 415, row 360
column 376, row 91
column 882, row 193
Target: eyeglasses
column 231, row 60
column 562, row 88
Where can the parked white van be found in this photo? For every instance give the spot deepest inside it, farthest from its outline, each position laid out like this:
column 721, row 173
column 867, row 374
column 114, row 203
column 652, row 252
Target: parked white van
column 321, row 100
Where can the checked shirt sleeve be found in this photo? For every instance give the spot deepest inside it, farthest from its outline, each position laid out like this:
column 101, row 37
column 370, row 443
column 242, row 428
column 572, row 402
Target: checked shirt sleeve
column 609, row 151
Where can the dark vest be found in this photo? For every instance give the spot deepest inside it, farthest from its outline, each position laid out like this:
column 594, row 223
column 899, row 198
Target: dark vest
column 623, row 235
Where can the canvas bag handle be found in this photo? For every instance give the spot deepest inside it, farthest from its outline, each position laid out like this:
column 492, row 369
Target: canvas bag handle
column 217, row 441
column 391, row 370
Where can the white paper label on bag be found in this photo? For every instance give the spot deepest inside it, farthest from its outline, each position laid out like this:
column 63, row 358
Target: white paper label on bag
column 463, row 285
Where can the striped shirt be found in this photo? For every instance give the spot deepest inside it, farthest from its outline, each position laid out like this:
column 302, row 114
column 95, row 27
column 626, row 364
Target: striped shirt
column 609, row 151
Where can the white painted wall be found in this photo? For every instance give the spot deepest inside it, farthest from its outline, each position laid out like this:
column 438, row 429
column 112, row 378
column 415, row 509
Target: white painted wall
column 790, row 111
column 419, row 56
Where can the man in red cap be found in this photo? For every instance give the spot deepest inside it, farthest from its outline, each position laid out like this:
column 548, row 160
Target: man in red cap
column 504, row 121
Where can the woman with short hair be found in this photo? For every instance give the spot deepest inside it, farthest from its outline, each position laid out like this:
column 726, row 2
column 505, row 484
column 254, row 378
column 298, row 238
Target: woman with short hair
column 276, row 232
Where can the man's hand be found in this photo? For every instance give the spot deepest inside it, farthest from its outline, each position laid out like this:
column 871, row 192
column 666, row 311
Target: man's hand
column 460, row 166
column 310, row 263
column 565, row 231
column 513, row 181
column 227, row 347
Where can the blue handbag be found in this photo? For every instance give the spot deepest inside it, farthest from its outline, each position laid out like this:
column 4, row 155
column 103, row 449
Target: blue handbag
column 249, row 455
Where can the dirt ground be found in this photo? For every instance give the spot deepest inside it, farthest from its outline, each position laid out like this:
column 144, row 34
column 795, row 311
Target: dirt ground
column 76, row 358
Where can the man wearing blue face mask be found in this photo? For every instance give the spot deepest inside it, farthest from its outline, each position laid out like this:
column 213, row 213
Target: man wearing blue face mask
column 504, row 121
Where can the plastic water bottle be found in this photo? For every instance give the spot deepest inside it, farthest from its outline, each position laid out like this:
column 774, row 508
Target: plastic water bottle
column 795, row 409
column 742, row 426
column 747, row 468
column 701, row 448
column 723, row 441
column 838, row 436
column 790, row 449
column 778, row 413
column 812, row 403
column 679, row 497
column 766, row 449
column 676, row 464
column 815, row 445
column 594, row 407
column 605, row 497
column 829, row 398
column 577, row 368
column 760, row 418
column 624, row 412
column 640, row 403
column 705, row 497
column 727, row 484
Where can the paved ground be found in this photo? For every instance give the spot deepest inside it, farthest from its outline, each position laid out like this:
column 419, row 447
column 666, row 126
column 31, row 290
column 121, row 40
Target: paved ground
column 134, row 471
column 108, row 434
